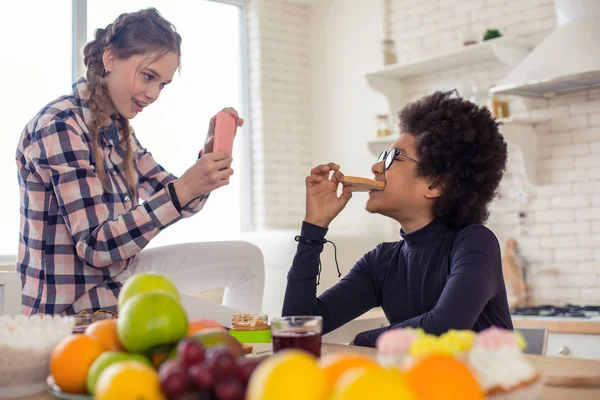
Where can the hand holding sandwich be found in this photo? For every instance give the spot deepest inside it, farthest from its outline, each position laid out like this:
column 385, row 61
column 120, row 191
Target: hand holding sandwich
column 322, row 201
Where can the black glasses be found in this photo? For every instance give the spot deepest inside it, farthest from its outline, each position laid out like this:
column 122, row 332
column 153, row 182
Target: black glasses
column 390, row 156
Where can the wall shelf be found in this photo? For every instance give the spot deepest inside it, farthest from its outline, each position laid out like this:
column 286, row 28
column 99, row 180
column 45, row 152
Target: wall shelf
column 389, row 81
column 506, row 50
column 376, row 146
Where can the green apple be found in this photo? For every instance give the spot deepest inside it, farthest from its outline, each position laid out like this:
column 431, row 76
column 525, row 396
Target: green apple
column 219, row 337
column 145, row 282
column 109, row 358
column 151, row 319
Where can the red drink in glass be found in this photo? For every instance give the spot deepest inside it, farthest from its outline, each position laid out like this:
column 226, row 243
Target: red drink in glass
column 309, row 341
column 297, row 332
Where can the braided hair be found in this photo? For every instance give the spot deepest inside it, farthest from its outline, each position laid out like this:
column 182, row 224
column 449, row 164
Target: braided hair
column 141, row 32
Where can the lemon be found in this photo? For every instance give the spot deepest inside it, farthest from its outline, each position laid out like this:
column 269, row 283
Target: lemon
column 106, row 359
column 128, row 380
column 290, row 375
column 372, row 384
column 336, row 364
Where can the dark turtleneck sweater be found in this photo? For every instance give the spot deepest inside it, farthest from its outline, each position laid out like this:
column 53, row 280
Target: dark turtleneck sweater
column 436, row 278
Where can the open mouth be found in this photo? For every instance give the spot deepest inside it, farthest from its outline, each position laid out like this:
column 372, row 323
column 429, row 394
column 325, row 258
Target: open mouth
column 139, row 106
column 371, row 192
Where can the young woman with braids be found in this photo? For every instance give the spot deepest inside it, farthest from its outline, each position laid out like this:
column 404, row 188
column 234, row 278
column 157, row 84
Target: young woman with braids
column 92, row 197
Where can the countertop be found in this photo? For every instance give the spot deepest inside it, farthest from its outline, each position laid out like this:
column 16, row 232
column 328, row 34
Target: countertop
column 553, row 324
column 559, row 325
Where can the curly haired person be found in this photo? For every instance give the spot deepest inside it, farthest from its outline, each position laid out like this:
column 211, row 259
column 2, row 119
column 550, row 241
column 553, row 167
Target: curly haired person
column 440, row 176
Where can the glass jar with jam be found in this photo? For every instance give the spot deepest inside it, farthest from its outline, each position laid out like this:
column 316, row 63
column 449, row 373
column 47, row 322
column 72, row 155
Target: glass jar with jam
column 250, row 328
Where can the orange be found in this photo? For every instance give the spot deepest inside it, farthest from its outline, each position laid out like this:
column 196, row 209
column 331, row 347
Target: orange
column 71, row 359
column 450, row 377
column 374, row 384
column 106, row 332
column 335, row 364
column 200, row 324
column 128, row 380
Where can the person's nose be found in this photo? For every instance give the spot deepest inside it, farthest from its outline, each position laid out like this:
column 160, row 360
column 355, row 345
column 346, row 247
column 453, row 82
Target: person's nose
column 378, row 168
column 152, row 93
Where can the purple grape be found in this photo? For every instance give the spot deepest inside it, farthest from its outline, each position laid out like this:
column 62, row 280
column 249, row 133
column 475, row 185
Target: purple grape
column 196, row 395
column 173, row 378
column 244, row 369
column 205, row 395
column 228, row 389
column 189, row 396
column 220, row 360
column 190, row 351
column 201, row 375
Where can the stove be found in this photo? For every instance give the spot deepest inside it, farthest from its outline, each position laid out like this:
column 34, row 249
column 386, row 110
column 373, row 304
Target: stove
column 565, row 311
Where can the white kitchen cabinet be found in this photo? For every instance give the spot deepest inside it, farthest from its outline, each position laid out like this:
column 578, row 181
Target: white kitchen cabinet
column 574, row 345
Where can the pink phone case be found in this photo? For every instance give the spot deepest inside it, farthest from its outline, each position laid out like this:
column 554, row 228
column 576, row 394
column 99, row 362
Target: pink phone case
column 225, row 128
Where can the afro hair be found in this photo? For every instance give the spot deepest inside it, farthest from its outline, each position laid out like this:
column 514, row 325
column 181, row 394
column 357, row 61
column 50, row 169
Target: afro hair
column 461, row 150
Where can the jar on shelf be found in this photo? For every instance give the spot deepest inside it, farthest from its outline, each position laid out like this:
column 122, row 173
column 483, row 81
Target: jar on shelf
column 382, row 125
column 499, row 108
column 388, row 47
column 250, row 328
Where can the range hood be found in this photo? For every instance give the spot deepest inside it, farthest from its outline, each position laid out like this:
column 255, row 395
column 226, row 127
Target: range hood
column 566, row 61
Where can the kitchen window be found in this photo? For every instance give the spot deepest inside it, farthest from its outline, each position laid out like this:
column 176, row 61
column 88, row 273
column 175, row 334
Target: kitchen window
column 35, row 66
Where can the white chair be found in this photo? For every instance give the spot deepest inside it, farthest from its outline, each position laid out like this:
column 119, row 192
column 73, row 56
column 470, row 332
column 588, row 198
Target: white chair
column 10, row 286
column 279, row 247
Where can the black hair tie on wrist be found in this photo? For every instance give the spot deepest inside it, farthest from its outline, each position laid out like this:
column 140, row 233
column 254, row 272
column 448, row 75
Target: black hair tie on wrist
column 173, row 194
column 305, row 240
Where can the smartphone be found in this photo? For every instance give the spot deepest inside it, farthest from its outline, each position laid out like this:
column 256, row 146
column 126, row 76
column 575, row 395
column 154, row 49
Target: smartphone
column 225, row 128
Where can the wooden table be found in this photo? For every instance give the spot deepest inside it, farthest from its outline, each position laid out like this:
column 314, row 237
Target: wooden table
column 547, row 366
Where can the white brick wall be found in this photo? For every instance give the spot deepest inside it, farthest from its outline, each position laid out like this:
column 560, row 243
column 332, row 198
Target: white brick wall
column 279, row 90
column 559, row 236
column 435, row 25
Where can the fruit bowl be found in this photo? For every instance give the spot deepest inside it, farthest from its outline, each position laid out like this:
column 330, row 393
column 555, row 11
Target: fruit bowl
column 25, row 347
column 57, row 392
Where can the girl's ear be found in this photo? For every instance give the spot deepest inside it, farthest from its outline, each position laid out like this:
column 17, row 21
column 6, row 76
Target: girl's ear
column 108, row 59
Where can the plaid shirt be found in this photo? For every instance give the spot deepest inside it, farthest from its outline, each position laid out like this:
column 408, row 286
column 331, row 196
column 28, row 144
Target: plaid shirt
column 75, row 237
